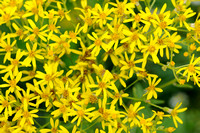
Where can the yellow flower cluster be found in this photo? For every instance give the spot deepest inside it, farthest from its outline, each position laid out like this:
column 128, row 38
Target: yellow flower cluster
column 79, row 76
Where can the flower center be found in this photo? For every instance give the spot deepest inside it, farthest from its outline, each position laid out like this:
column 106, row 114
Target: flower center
column 72, row 35
column 163, row 25
column 8, row 48
column 151, row 87
column 102, row 85
column 36, row 31
column 80, row 113
column 102, row 15
column 62, row 109
column 5, row 103
column 191, row 68
column 97, row 42
column 151, row 49
column 182, row 17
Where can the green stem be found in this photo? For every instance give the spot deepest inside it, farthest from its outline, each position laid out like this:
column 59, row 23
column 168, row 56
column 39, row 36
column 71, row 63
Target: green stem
column 131, row 84
column 168, row 83
column 36, row 122
column 91, row 125
column 44, row 125
column 154, row 105
column 152, row 4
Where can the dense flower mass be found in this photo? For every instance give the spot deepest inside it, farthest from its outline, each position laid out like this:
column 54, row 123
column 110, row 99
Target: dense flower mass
column 66, row 66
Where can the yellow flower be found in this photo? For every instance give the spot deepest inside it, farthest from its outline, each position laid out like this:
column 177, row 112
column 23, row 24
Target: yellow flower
column 25, row 116
column 89, row 97
column 179, row 5
column 50, row 75
column 12, row 83
column 134, row 37
column 184, row 16
column 174, row 114
column 72, row 35
column 116, row 33
column 62, row 109
column 122, row 75
column 122, row 8
column 146, row 124
column 135, row 19
column 118, row 96
column 7, row 14
column 151, row 90
column 102, row 15
column 191, row 70
column 36, row 32
column 151, row 49
column 33, row 8
column 30, row 75
column 7, row 47
column 19, row 32
column 26, row 97
column 103, row 113
column 54, row 127
column 113, row 56
column 62, row 13
column 164, row 25
column 103, row 85
column 32, row 55
column 171, row 129
column 66, row 91
column 130, row 64
column 160, row 114
column 148, row 18
column 52, row 28
column 44, row 93
column 6, row 105
column 98, row 43
column 132, row 114
column 81, row 113
column 88, row 20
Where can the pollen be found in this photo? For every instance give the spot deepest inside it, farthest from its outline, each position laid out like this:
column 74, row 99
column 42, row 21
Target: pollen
column 72, row 35
column 32, row 53
column 52, row 27
column 35, row 10
column 26, row 114
column 134, row 37
column 80, row 113
column 191, row 68
column 61, row 13
column 62, row 108
column 6, row 17
column 151, row 87
column 98, row 42
column 8, row 48
column 102, row 15
column 44, row 96
column 151, row 49
column 115, row 36
column 163, row 25
column 36, row 31
column 5, row 103
column 65, row 93
column 48, row 77
column 102, row 85
column 182, row 17
column 131, row 114
column 19, row 32
column 137, row 18
column 15, row 62
column 131, row 64
column 93, row 99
